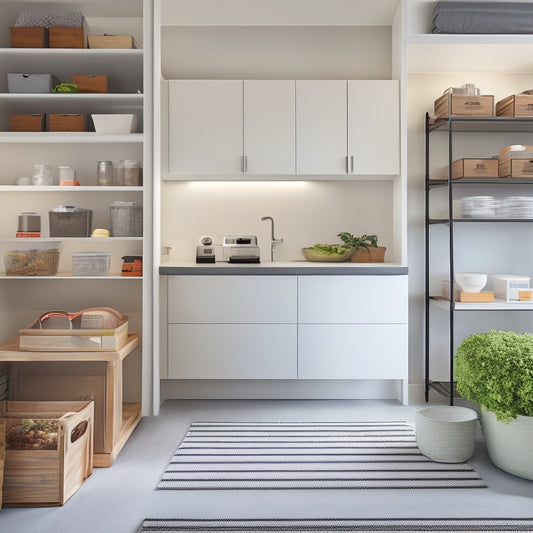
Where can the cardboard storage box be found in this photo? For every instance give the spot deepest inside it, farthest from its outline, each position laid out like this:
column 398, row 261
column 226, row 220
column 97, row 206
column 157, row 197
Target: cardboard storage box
column 110, row 41
column 62, row 37
column 516, row 168
column 475, row 168
column 33, row 122
column 31, row 83
column 91, row 83
column 46, row 465
column 29, row 37
column 66, row 122
column 480, row 106
column 507, row 287
column 516, row 105
column 516, row 151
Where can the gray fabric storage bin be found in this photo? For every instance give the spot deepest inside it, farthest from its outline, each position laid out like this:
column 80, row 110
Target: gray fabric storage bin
column 31, row 83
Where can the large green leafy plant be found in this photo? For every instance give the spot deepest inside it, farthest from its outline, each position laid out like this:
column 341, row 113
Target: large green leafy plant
column 495, row 371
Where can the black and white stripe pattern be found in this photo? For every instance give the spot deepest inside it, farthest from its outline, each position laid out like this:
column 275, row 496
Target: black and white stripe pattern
column 284, row 455
column 330, row 525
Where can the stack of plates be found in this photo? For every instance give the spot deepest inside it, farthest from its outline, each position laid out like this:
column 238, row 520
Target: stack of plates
column 516, row 207
column 479, row 207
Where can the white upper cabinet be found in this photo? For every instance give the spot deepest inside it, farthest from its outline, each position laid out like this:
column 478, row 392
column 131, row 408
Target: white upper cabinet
column 321, row 111
column 269, row 126
column 205, row 126
column 373, row 127
column 348, row 127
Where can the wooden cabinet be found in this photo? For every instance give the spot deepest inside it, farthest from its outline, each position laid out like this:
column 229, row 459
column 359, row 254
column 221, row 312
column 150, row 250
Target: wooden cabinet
column 348, row 127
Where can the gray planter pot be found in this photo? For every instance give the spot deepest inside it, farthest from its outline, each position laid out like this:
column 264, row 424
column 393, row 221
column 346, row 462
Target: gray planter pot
column 510, row 444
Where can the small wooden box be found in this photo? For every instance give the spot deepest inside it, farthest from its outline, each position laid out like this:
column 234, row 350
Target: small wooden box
column 110, row 41
column 475, row 168
column 91, row 83
column 61, row 37
column 476, row 297
column 66, row 122
column 480, row 106
column 516, row 105
column 49, row 476
column 29, row 37
column 34, row 122
column 516, row 168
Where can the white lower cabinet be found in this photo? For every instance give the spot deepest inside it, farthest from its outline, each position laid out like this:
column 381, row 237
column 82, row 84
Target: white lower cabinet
column 288, row 327
column 232, row 351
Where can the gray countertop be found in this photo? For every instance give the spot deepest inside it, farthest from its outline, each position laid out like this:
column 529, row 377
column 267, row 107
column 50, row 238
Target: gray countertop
column 278, row 268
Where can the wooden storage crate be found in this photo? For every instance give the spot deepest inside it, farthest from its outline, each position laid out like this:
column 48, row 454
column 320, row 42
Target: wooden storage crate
column 91, row 83
column 110, row 41
column 29, row 37
column 50, row 476
column 62, row 37
column 33, row 122
column 86, row 340
column 516, row 168
column 480, row 106
column 66, row 122
column 475, row 168
column 516, row 105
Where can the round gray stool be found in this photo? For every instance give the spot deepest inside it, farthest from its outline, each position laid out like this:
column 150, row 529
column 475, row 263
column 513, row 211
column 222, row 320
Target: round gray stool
column 446, row 434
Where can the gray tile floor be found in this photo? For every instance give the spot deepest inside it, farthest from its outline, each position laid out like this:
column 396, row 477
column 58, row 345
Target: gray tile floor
column 117, row 499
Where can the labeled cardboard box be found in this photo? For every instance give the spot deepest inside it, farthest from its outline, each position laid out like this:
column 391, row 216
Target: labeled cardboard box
column 29, row 37
column 449, row 104
column 475, row 168
column 33, row 122
column 516, row 105
column 66, row 122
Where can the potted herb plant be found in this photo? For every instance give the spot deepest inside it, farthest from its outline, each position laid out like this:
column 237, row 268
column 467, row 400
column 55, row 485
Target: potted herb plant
column 366, row 249
column 494, row 370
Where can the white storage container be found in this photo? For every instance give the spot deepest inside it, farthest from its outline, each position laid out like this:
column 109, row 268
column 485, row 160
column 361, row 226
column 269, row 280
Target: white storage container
column 507, row 287
column 31, row 83
column 114, row 123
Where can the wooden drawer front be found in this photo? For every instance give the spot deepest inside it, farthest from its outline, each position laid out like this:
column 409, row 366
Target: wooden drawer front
column 352, row 299
column 232, row 299
column 218, row 351
column 344, row 351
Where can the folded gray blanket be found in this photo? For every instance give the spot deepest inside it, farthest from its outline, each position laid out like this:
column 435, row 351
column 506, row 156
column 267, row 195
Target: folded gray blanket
column 483, row 17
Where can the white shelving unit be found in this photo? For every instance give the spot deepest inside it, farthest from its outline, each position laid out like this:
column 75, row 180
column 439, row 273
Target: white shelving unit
column 130, row 75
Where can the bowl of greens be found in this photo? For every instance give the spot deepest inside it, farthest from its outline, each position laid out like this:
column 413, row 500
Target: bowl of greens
column 328, row 252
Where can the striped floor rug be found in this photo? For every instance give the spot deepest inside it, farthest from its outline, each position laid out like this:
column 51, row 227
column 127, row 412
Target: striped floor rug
column 384, row 525
column 355, row 455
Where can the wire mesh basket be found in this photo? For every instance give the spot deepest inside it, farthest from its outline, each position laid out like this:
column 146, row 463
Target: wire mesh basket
column 91, row 263
column 126, row 219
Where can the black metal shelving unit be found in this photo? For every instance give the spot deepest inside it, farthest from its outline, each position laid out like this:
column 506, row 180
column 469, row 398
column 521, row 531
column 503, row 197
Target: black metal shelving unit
column 452, row 125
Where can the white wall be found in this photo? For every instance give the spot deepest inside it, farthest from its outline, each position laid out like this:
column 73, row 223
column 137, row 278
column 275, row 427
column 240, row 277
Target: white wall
column 305, row 213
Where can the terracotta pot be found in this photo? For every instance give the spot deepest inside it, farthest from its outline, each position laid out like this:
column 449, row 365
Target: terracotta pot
column 369, row 255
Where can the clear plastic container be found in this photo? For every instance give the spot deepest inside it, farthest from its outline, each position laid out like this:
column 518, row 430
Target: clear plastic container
column 128, row 172
column 105, row 173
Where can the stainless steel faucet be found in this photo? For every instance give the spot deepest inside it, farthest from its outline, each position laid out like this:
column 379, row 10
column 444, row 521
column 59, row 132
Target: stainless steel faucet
column 273, row 240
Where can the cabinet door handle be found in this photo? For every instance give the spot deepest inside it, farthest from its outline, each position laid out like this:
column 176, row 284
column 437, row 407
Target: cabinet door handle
column 351, row 164
column 244, row 163
column 347, row 165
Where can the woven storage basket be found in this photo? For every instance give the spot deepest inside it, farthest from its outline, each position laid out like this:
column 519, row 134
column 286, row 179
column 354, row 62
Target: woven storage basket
column 126, row 219
column 91, row 263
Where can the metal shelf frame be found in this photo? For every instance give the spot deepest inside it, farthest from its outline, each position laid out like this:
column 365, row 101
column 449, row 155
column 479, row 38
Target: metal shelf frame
column 451, row 125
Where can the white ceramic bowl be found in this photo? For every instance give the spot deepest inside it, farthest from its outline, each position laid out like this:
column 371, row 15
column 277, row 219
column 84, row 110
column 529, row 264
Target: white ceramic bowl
column 470, row 281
